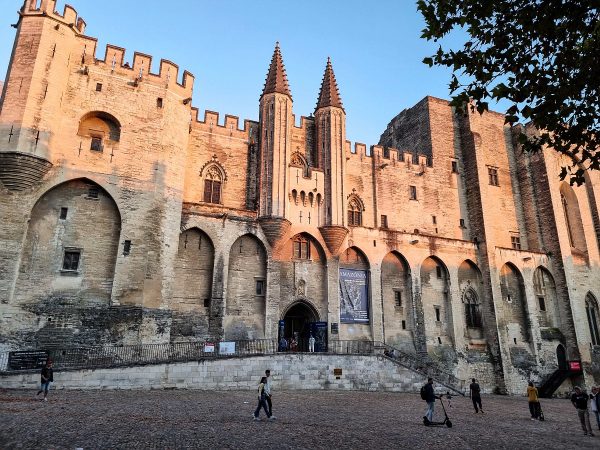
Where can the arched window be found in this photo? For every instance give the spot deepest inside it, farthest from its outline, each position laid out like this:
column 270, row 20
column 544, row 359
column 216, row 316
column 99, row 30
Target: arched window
column 301, row 247
column 355, row 212
column 212, row 185
column 591, row 309
column 565, row 209
column 472, row 311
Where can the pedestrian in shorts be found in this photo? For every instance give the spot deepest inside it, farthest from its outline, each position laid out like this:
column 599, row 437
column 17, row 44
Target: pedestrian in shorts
column 47, row 379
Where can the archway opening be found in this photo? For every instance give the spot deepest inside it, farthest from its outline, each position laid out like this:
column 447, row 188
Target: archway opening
column 561, row 356
column 296, row 327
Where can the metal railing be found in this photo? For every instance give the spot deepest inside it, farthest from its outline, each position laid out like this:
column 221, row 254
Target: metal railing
column 112, row 356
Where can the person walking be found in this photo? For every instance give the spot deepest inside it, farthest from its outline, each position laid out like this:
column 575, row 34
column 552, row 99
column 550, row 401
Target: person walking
column 311, row 344
column 268, row 391
column 595, row 401
column 283, row 345
column 431, row 397
column 580, row 401
column 261, row 401
column 47, row 379
column 475, row 395
column 534, row 401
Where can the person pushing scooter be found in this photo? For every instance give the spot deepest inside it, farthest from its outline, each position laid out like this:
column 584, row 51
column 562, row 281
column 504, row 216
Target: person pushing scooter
column 431, row 398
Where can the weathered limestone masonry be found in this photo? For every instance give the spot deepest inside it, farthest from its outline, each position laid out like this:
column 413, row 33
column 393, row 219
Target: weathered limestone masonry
column 129, row 217
column 289, row 372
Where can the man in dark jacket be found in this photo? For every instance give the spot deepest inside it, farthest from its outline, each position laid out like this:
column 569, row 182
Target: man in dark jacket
column 47, row 379
column 431, row 397
column 580, row 402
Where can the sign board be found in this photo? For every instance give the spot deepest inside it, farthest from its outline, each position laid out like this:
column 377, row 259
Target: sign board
column 319, row 331
column 354, row 296
column 337, row 372
column 209, row 348
column 27, row 360
column 227, row 348
column 334, row 328
column 575, row 365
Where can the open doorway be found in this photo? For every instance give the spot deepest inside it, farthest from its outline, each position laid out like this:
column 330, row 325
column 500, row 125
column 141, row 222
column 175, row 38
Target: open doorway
column 561, row 356
column 297, row 325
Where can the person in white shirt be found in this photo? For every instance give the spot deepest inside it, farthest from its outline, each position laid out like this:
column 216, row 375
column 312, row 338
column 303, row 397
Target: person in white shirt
column 311, row 344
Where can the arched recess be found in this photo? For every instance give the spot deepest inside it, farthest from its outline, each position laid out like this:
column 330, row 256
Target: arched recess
column 572, row 214
column 192, row 289
column 355, row 210
column 593, row 318
column 514, row 308
column 355, row 295
column 303, row 272
column 398, row 310
column 544, row 290
column 470, row 285
column 561, row 357
column 100, row 124
column 297, row 318
column 437, row 310
column 71, row 246
column 246, row 289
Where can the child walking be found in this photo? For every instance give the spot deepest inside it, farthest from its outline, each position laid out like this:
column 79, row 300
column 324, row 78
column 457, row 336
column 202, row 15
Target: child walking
column 262, row 402
column 448, row 398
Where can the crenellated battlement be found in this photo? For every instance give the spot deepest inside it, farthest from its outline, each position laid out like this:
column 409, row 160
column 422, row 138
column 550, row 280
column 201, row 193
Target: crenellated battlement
column 48, row 8
column 303, row 121
column 387, row 155
column 140, row 70
column 230, row 127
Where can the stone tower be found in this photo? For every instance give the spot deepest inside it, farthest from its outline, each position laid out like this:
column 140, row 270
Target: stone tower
column 330, row 129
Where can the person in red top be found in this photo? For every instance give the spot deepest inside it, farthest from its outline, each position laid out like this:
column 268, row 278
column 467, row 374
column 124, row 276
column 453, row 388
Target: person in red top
column 47, row 379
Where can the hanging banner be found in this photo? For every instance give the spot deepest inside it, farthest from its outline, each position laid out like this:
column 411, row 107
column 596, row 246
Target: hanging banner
column 354, row 296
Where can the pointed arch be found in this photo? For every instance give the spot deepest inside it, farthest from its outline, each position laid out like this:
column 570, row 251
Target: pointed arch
column 398, row 308
column 299, row 160
column 214, row 176
column 544, row 289
column 593, row 316
column 100, row 125
column 514, row 306
column 355, row 210
column 572, row 215
column 435, row 295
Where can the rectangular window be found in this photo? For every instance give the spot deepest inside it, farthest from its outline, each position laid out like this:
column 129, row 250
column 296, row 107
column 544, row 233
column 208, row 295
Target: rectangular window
column 260, row 287
column 63, row 213
column 398, row 298
column 438, row 271
column 542, row 303
column 404, row 324
column 212, row 191
column 159, row 102
column 515, row 241
column 454, row 167
column 437, row 314
column 413, row 192
column 93, row 193
column 98, row 87
column 127, row 247
column 461, row 223
column 71, row 259
column 493, row 176
column 434, row 219
column 96, row 144
column 207, row 302
column 384, row 222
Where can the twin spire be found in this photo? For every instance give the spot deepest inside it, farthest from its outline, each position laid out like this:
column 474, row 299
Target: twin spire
column 277, row 82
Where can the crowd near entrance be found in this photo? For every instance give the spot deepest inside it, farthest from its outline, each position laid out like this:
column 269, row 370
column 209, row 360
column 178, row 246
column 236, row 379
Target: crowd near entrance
column 299, row 323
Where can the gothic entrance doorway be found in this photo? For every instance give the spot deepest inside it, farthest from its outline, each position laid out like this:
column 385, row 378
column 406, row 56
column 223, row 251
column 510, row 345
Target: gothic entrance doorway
column 561, row 356
column 299, row 321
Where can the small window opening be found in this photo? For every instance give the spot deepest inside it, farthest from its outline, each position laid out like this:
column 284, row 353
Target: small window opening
column 404, row 324
column 96, row 144
column 437, row 315
column 127, row 248
column 493, row 176
column 71, row 260
column 439, row 340
column 515, row 241
column 63, row 213
column 454, row 167
column 438, row 271
column 159, row 102
column 515, row 340
column 434, row 219
column 384, row 221
column 98, row 87
column 260, row 287
column 461, row 223
column 398, row 298
column 207, row 302
column 413, row 192
column 93, row 193
column 542, row 303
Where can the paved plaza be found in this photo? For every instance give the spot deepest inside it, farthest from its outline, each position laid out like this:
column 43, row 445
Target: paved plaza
column 180, row 419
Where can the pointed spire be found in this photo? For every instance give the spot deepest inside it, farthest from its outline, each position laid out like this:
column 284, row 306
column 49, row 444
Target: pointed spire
column 277, row 78
column 329, row 95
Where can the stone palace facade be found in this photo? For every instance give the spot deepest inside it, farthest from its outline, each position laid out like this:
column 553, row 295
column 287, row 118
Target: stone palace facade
column 128, row 217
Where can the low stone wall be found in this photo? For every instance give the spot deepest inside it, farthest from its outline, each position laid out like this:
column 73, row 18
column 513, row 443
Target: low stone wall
column 288, row 371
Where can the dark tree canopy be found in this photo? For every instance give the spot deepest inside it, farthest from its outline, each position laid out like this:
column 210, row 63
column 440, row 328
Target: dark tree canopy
column 543, row 56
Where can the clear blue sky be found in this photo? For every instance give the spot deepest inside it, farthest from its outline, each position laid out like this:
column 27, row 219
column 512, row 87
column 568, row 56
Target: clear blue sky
column 375, row 48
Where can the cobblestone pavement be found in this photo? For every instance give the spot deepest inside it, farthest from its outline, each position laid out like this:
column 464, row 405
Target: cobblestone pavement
column 177, row 419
